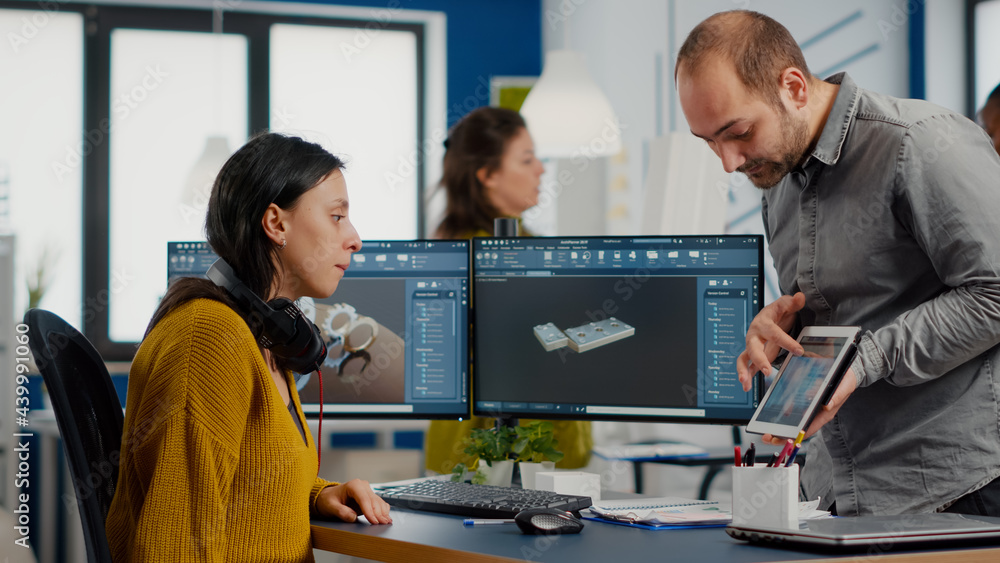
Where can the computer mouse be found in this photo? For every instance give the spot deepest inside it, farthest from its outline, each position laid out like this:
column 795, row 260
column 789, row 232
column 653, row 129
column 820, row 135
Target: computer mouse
column 547, row 521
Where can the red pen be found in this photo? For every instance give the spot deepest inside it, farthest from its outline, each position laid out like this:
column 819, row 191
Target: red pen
column 736, row 454
column 789, row 444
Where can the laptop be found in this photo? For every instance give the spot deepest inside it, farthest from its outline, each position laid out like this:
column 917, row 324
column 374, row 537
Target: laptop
column 884, row 533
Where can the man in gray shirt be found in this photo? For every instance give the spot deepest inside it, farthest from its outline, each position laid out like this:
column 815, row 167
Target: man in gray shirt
column 882, row 213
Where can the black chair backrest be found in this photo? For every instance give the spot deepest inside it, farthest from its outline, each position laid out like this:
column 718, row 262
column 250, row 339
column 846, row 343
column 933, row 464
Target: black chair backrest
column 89, row 415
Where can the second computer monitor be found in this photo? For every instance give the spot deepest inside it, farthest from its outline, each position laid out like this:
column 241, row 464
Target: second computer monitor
column 636, row 328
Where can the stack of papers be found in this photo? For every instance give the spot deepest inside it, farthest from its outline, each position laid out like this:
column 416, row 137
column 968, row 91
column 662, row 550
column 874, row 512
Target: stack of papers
column 677, row 511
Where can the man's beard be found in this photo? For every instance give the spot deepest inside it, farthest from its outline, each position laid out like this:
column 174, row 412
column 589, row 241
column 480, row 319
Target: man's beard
column 792, row 151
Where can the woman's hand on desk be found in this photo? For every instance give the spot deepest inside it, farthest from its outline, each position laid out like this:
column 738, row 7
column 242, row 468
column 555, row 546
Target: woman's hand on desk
column 343, row 501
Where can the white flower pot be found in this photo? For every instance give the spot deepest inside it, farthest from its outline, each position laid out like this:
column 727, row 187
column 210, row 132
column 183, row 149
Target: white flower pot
column 528, row 471
column 500, row 474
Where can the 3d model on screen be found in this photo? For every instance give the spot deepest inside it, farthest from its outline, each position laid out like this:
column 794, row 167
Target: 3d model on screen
column 584, row 337
column 348, row 335
column 551, row 337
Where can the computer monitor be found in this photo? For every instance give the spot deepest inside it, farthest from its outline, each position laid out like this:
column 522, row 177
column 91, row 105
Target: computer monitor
column 396, row 330
column 601, row 328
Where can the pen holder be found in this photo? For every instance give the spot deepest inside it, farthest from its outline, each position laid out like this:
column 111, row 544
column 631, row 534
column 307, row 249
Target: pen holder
column 766, row 496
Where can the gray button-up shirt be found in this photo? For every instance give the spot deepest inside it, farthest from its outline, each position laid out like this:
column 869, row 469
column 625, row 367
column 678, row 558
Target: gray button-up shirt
column 893, row 224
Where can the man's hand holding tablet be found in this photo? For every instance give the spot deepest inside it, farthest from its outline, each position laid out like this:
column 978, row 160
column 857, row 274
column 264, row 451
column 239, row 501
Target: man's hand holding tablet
column 810, row 387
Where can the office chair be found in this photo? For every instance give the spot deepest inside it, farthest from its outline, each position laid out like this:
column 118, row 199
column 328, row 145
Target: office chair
column 89, row 415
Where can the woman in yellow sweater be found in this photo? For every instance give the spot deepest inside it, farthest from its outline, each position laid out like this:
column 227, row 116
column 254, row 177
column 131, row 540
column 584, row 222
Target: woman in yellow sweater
column 217, row 463
column 490, row 171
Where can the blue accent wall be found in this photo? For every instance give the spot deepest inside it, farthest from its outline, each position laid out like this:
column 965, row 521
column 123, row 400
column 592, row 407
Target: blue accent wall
column 485, row 38
column 917, row 44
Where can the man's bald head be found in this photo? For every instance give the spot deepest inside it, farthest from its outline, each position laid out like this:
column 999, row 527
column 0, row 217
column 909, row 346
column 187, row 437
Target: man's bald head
column 759, row 48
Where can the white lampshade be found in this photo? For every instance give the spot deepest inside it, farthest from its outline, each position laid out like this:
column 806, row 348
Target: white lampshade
column 567, row 114
column 198, row 185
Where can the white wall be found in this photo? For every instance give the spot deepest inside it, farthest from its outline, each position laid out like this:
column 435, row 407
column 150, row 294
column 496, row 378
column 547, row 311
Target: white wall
column 944, row 52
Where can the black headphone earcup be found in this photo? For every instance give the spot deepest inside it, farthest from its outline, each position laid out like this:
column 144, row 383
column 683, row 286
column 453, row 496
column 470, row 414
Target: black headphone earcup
column 304, row 351
column 278, row 326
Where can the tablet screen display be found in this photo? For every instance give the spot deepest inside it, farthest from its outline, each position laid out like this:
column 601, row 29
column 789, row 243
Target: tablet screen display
column 801, row 381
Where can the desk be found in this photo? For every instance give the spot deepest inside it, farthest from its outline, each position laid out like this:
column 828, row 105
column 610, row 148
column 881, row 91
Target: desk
column 418, row 536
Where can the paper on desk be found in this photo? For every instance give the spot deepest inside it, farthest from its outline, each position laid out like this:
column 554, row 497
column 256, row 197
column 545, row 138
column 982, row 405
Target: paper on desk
column 667, row 511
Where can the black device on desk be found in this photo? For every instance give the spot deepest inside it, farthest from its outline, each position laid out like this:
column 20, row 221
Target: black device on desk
column 396, row 330
column 603, row 328
column 478, row 501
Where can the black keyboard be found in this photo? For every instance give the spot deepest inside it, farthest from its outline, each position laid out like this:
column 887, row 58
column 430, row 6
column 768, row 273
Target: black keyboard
column 478, row 501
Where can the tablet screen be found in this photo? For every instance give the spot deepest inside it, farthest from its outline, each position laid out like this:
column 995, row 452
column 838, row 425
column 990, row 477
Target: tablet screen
column 801, row 380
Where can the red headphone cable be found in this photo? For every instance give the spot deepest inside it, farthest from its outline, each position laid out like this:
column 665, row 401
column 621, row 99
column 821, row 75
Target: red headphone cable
column 319, row 437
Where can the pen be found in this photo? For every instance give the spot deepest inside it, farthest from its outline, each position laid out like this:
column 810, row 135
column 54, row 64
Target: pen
column 751, row 456
column 773, row 461
column 795, row 450
column 473, row 522
column 736, row 455
column 789, row 444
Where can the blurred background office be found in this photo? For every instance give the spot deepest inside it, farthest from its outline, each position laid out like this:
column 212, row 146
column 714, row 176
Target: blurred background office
column 116, row 115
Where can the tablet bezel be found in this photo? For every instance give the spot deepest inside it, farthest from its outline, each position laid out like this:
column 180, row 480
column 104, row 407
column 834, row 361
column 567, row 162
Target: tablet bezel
column 840, row 365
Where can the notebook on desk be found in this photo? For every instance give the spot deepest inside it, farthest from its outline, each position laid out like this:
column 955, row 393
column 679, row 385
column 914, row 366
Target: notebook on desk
column 885, row 533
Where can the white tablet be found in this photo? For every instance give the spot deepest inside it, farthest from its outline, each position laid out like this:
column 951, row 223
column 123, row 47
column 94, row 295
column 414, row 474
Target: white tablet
column 804, row 383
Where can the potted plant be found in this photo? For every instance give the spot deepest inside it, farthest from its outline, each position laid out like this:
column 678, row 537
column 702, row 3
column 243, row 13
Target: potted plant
column 494, row 446
column 535, row 448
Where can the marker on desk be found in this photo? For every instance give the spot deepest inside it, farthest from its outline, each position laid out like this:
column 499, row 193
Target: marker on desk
column 751, row 457
column 474, row 522
column 736, row 455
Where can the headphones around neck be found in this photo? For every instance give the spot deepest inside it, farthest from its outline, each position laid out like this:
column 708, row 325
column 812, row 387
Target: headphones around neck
column 283, row 329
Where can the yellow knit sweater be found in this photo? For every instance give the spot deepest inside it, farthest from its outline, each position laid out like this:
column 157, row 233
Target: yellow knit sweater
column 212, row 466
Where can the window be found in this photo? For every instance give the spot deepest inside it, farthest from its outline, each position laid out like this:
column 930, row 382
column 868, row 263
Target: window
column 178, row 110
column 986, row 67
column 41, row 154
column 116, row 133
column 315, row 86
column 983, row 46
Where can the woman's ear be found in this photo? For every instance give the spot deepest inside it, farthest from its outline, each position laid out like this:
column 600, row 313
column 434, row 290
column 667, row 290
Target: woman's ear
column 273, row 223
column 485, row 177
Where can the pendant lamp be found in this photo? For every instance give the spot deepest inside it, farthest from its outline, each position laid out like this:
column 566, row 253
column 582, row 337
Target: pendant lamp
column 567, row 113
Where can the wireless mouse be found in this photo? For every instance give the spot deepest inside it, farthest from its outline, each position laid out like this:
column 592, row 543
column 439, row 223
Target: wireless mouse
column 547, row 521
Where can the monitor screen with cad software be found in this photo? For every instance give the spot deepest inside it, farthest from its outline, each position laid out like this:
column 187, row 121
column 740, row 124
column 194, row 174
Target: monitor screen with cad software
column 599, row 328
column 396, row 330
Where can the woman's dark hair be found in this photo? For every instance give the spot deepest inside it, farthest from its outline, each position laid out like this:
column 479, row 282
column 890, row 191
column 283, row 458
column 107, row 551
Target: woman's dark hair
column 477, row 141
column 269, row 168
